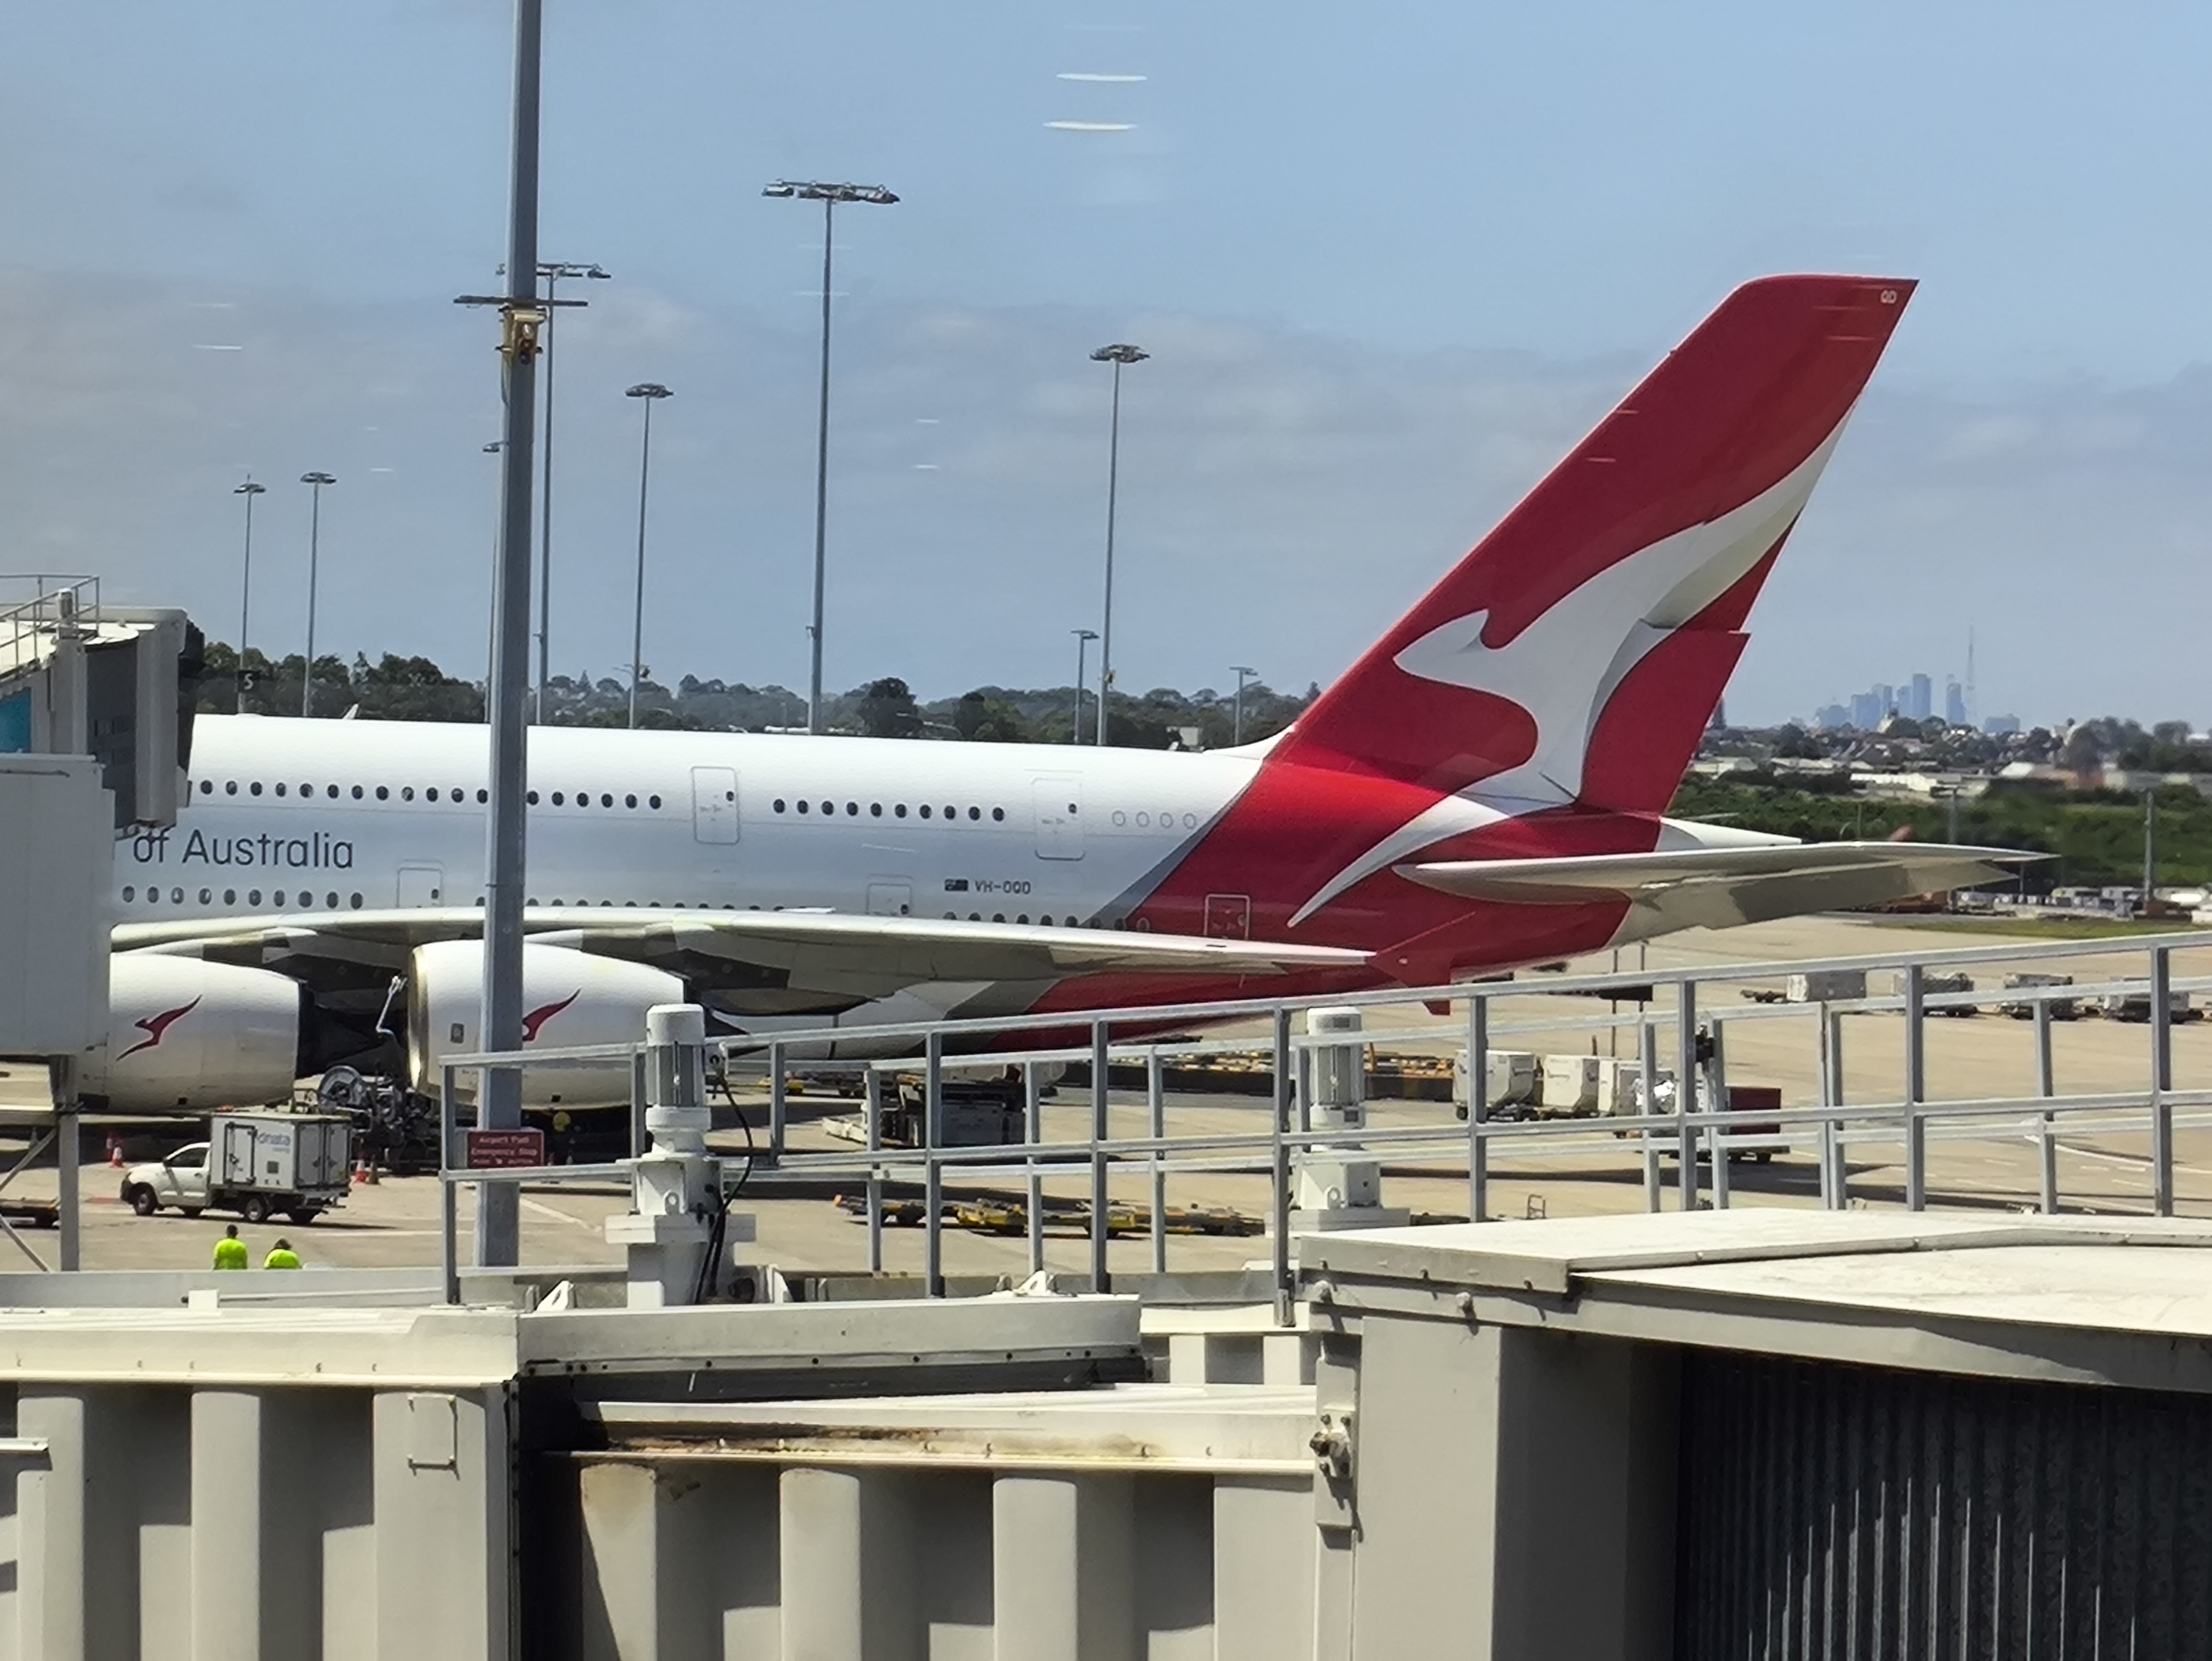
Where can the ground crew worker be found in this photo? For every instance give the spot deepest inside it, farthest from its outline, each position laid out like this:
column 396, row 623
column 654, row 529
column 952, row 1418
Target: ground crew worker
column 230, row 1250
column 281, row 1255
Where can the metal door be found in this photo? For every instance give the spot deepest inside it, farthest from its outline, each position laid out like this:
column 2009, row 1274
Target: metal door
column 714, row 804
column 239, row 1165
column 1057, row 804
column 889, row 900
column 1854, row 1513
column 1228, row 916
column 422, row 885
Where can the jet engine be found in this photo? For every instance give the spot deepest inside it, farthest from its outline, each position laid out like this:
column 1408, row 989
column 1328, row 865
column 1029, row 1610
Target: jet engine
column 185, row 1036
column 569, row 998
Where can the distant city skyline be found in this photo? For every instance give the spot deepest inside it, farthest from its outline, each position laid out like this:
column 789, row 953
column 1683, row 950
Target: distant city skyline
column 1912, row 698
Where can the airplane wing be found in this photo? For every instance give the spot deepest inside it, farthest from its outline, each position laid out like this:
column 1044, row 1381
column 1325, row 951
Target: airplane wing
column 748, row 962
column 1720, row 887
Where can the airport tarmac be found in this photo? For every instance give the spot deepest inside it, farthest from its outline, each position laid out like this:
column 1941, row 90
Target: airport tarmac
column 396, row 1222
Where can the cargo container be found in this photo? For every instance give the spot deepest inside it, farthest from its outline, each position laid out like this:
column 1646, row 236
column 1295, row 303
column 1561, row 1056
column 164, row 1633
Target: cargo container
column 1510, row 1078
column 1569, row 1086
column 2023, row 1009
column 1937, row 983
column 1825, row 986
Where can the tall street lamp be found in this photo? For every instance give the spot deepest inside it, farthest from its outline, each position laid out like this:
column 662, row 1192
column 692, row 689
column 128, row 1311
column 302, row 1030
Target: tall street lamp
column 1243, row 674
column 553, row 272
column 249, row 491
column 1083, row 639
column 497, row 446
column 314, row 555
column 651, row 392
column 1118, row 355
column 829, row 196
column 506, row 682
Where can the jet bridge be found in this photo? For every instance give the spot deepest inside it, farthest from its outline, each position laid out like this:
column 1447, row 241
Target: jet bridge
column 96, row 732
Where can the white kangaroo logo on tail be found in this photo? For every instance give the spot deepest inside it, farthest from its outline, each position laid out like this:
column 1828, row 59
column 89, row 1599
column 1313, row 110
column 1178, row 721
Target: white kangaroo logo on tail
column 1633, row 605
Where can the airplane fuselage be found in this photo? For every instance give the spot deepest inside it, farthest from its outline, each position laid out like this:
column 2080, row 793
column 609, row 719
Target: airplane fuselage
column 297, row 816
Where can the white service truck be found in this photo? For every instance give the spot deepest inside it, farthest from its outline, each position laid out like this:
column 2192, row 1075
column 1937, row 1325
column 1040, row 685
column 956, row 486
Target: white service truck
column 254, row 1164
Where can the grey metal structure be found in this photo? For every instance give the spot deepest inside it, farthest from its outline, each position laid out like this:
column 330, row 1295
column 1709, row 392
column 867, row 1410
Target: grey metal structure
column 1782, row 1434
column 829, row 196
column 647, row 392
column 1754, row 1433
column 96, row 724
column 1083, row 639
column 249, row 489
column 315, row 482
column 237, row 1477
column 1849, row 1511
column 554, row 273
column 1694, row 1137
column 1120, row 355
column 507, row 685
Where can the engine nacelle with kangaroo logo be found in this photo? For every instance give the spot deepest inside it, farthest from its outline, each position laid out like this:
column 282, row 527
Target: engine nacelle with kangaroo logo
column 569, row 998
column 186, row 1035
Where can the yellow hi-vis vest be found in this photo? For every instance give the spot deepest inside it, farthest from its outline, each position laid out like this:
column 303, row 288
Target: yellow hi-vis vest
column 282, row 1257
column 230, row 1253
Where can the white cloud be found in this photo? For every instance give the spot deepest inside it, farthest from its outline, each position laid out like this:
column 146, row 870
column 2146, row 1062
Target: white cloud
column 1285, row 495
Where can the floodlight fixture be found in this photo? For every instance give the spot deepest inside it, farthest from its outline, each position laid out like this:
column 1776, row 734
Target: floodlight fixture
column 793, row 190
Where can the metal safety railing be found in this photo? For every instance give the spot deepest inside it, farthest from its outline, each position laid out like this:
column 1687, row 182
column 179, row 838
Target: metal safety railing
column 1694, row 1031
column 36, row 608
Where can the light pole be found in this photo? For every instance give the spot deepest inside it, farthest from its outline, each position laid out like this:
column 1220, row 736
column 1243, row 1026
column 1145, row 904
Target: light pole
column 249, row 491
column 553, row 272
column 829, row 196
column 506, row 683
column 491, row 624
column 1083, row 639
column 650, row 392
column 1118, row 355
column 314, row 554
column 1243, row 674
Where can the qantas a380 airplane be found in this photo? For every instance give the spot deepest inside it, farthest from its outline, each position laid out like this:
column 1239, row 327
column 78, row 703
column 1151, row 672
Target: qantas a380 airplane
column 1485, row 788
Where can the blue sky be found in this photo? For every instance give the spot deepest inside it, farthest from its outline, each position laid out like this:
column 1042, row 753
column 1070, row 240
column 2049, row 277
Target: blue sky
column 1391, row 259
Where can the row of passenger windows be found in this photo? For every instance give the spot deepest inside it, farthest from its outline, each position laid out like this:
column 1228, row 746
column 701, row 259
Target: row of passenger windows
column 875, row 810
column 606, row 798
column 304, row 899
column 406, row 792
column 898, row 810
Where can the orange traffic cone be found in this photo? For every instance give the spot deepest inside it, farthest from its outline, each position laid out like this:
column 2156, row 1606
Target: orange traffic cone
column 115, row 1153
column 364, row 1174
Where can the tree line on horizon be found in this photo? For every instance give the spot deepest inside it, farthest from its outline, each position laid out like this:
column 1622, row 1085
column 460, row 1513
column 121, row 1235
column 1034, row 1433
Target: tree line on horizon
column 396, row 688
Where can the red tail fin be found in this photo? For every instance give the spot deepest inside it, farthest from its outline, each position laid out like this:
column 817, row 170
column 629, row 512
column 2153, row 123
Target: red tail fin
column 1576, row 655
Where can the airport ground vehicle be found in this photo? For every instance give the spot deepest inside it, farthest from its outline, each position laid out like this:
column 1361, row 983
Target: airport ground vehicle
column 254, row 1164
column 2023, row 1009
